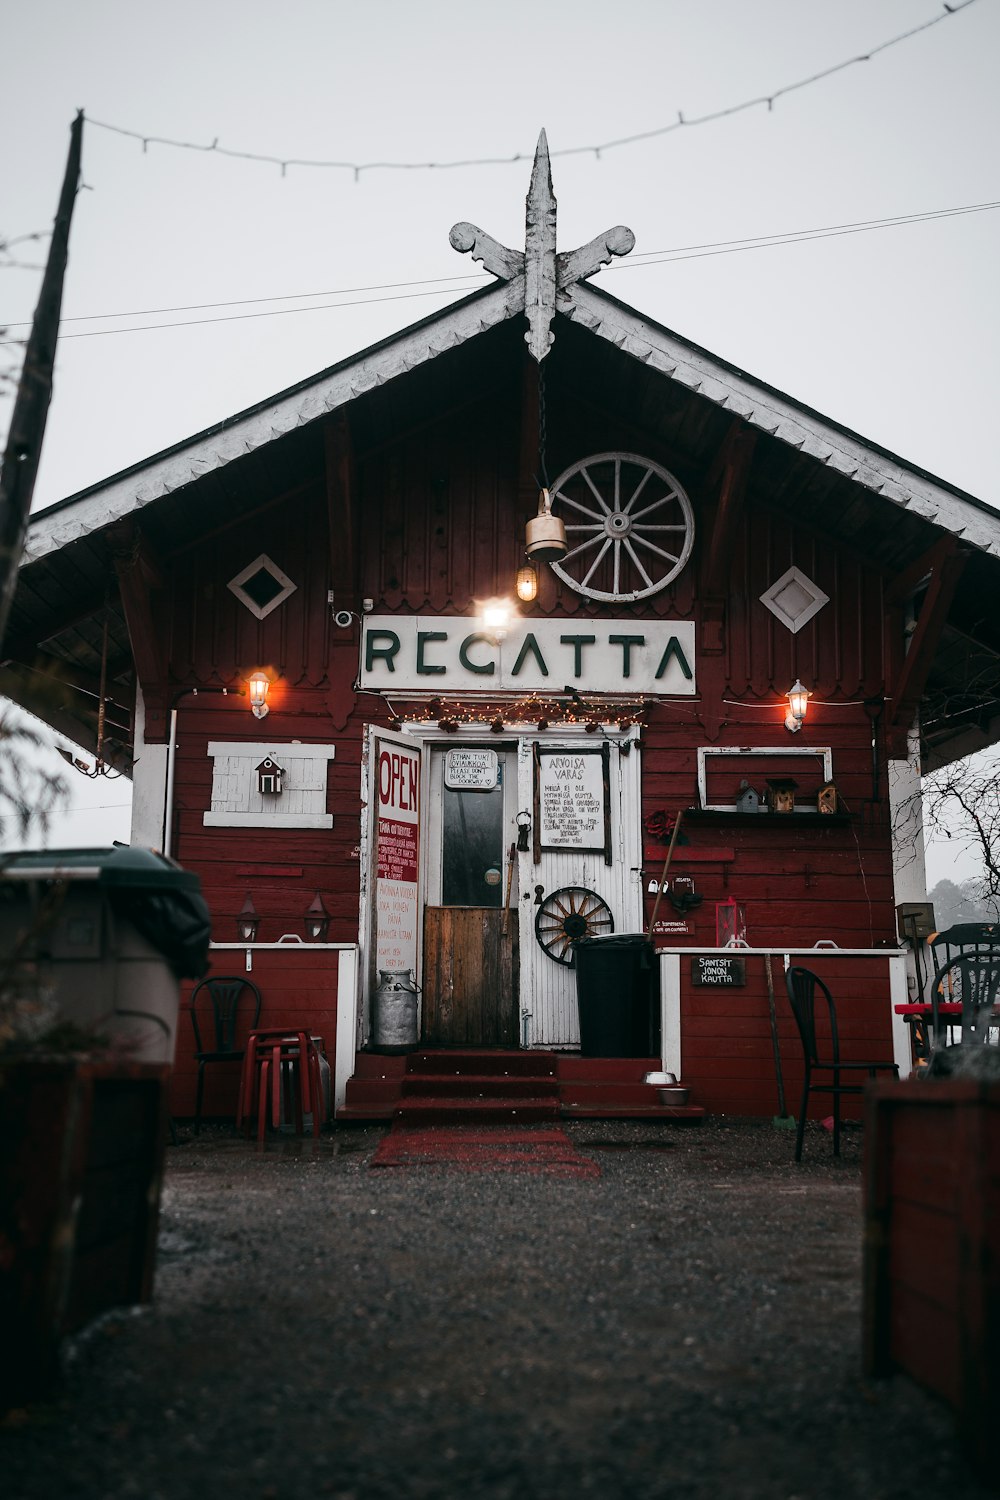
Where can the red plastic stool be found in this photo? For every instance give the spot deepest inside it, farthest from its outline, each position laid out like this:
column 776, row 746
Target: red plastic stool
column 269, row 1056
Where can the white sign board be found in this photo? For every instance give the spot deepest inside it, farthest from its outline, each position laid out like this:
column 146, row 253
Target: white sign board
column 573, row 801
column 471, row 770
column 453, row 654
column 397, row 781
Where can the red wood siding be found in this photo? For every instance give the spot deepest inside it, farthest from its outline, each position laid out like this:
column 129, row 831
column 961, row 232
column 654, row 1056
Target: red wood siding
column 440, row 525
column 297, row 989
column 728, row 1057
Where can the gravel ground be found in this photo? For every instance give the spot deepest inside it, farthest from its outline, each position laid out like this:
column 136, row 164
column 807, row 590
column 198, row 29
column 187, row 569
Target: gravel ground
column 687, row 1325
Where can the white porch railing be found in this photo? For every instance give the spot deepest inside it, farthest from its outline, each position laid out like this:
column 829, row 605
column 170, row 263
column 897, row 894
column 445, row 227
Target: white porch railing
column 671, row 1045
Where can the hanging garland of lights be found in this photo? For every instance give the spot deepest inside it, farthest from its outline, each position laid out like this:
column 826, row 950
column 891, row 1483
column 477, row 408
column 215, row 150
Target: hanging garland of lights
column 544, row 713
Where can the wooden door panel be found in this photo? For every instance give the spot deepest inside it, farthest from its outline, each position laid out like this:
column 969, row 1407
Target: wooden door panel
column 470, row 977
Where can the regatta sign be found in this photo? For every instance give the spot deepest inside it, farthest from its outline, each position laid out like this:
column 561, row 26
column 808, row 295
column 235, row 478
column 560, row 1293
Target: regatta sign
column 453, row 654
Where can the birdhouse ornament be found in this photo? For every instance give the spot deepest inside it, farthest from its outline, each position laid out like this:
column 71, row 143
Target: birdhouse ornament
column 269, row 776
column 781, row 794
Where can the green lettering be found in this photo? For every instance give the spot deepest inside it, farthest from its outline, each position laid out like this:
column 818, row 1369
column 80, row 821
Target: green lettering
column 627, row 642
column 387, row 653
column 428, row 669
column 488, row 667
column 577, row 642
column 673, row 649
column 530, row 644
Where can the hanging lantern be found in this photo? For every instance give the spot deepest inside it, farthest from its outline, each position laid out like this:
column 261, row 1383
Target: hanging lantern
column 545, row 534
column 526, row 583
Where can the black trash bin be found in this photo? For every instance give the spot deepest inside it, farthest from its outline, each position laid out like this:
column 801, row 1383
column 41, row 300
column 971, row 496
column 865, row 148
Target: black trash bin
column 616, row 985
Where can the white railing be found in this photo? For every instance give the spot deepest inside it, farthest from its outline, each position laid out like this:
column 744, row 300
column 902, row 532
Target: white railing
column 671, row 1047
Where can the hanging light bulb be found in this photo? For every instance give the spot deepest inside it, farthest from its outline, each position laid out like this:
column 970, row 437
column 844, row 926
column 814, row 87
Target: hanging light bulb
column 526, row 583
column 545, row 534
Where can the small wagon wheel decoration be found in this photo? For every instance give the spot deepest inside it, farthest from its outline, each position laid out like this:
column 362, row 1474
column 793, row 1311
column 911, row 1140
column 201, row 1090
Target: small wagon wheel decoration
column 568, row 915
column 629, row 525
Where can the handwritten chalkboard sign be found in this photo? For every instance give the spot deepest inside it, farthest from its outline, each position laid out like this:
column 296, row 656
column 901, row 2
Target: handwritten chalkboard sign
column 715, row 969
column 572, row 799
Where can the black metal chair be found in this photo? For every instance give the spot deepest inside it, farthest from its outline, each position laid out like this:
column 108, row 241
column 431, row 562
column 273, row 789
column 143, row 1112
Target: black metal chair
column 973, row 980
column 225, row 992
column 802, row 985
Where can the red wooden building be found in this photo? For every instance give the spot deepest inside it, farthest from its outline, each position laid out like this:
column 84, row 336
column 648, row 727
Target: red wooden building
column 463, row 795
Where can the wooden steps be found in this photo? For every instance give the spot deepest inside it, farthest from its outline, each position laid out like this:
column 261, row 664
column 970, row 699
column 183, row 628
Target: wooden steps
column 493, row 1084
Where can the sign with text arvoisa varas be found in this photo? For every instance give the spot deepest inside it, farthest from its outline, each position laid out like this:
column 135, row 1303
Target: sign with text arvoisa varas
column 397, row 855
column 453, row 654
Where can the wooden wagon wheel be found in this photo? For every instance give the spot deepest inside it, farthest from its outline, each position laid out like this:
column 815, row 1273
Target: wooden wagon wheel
column 568, row 915
column 629, row 525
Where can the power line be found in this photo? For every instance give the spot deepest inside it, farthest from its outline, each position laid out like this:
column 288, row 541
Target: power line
column 277, row 312
column 343, row 291
column 682, row 121
column 647, row 258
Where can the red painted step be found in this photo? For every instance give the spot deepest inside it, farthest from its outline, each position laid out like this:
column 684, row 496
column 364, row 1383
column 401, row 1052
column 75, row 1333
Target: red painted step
column 478, row 1085
column 482, row 1061
column 444, row 1108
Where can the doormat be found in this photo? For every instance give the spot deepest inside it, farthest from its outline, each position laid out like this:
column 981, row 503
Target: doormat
column 498, row 1148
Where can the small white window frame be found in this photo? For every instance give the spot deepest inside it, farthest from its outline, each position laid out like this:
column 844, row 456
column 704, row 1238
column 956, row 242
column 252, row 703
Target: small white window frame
column 773, row 752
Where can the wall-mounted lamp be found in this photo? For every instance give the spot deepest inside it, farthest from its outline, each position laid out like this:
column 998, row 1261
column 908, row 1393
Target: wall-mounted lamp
column 317, row 920
column 526, row 583
column 798, row 702
column 496, row 618
column 545, row 534
column 258, row 686
column 248, row 921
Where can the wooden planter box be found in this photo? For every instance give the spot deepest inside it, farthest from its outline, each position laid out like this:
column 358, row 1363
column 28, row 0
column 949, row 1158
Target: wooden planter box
column 81, row 1165
column 932, row 1245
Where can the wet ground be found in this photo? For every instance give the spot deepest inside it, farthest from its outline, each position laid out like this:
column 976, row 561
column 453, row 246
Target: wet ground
column 686, row 1323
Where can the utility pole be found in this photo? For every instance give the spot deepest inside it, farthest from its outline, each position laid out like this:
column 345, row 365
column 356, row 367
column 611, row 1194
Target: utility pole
column 34, row 389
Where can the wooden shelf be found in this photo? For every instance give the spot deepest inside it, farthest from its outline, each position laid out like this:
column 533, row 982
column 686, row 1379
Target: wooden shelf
column 711, row 817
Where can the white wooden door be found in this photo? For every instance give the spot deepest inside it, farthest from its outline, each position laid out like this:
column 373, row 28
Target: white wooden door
column 549, row 1016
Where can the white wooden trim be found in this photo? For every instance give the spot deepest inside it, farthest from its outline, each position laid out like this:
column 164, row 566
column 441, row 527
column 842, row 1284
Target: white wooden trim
column 670, row 1013
column 267, row 820
column 779, row 416
column 207, row 452
column 347, row 1025
column 277, row 750
column 901, row 1030
column 774, row 752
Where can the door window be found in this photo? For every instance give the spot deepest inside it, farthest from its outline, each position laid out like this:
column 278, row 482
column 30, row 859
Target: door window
column 472, row 847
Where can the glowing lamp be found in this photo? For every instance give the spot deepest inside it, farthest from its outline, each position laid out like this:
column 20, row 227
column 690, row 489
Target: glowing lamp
column 798, row 702
column 526, row 583
column 258, row 686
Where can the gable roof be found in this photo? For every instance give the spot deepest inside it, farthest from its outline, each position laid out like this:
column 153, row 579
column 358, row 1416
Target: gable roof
column 852, row 490
column 791, row 422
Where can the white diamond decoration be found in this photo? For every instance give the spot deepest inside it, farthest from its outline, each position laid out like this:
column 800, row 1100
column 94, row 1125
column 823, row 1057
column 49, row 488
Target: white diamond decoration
column 794, row 599
column 277, row 586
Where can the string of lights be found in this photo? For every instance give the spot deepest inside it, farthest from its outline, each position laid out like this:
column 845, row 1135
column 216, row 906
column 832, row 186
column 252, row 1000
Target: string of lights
column 449, row 285
column 681, row 122
column 543, row 712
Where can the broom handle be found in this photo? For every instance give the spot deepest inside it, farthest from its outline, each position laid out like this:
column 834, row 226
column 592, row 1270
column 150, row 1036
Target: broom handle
column 510, row 881
column 663, row 877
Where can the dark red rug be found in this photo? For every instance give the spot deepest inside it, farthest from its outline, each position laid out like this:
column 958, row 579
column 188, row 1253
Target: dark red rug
column 485, row 1148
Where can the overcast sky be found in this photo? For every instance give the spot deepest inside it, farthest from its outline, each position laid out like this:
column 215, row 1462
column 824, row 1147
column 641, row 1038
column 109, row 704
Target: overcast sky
column 892, row 331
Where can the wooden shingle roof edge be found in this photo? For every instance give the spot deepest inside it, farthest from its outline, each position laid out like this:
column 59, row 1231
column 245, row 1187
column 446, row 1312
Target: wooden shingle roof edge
column 762, row 406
